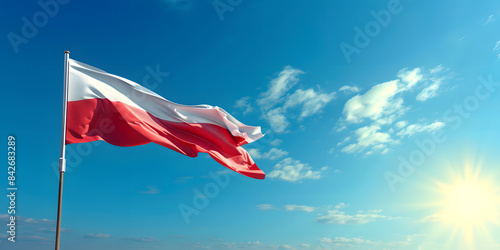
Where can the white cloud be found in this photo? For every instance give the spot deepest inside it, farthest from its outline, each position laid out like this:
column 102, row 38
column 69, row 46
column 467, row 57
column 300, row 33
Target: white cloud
column 31, row 225
column 340, row 205
column 97, row 236
column 278, row 106
column 310, row 100
column 497, row 48
column 148, row 239
column 433, row 218
column 255, row 245
column 490, row 19
column 299, row 208
column 265, row 206
column 401, row 124
column 22, row 219
column 275, row 154
column 410, row 77
column 369, row 136
column 276, row 142
column 53, row 229
column 418, row 128
column 360, row 243
column 286, row 79
column 152, row 190
column 378, row 102
column 292, row 170
column 437, row 69
column 429, row 91
column 278, row 121
column 31, row 238
column 336, row 216
column 243, row 103
column 355, row 240
column 344, row 141
column 272, row 154
column 287, row 208
column 349, row 89
column 377, row 109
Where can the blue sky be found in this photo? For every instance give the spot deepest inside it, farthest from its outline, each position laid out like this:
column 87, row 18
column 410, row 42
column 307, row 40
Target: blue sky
column 381, row 122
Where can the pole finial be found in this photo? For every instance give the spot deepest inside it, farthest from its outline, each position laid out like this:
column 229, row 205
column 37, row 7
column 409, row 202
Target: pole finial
column 66, row 52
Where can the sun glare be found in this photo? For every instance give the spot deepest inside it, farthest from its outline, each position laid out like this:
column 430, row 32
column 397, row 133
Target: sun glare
column 469, row 204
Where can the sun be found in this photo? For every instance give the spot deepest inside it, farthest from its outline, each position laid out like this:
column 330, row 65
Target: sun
column 469, row 204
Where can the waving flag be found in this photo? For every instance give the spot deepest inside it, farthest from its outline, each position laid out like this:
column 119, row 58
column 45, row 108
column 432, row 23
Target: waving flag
column 102, row 106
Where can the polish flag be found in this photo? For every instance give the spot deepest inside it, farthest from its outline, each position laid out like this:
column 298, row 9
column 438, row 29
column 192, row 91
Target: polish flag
column 102, row 106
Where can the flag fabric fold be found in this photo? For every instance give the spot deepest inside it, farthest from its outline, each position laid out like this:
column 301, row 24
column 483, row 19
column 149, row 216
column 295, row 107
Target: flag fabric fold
column 103, row 106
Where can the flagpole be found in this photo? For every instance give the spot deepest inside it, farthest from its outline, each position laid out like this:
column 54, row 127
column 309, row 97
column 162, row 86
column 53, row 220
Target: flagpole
column 62, row 160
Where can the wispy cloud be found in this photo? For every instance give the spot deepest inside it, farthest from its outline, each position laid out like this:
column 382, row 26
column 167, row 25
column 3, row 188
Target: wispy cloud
column 369, row 136
column 286, row 79
column 336, row 216
column 375, row 111
column 292, row 170
column 436, row 69
column 309, row 100
column 53, row 229
column 343, row 240
column 183, row 179
column 243, row 103
column 400, row 124
column 429, row 91
column 410, row 77
column 349, row 89
column 22, row 219
column 299, row 208
column 32, row 238
column 277, row 119
column 152, row 190
column 418, row 128
column 266, row 207
column 432, row 218
column 287, row 208
column 279, row 105
column 276, row 142
column 97, row 236
column 360, row 243
column 377, row 104
column 32, row 226
column 148, row 239
column 497, row 49
column 272, row 154
column 489, row 19
column 255, row 244
column 258, row 245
